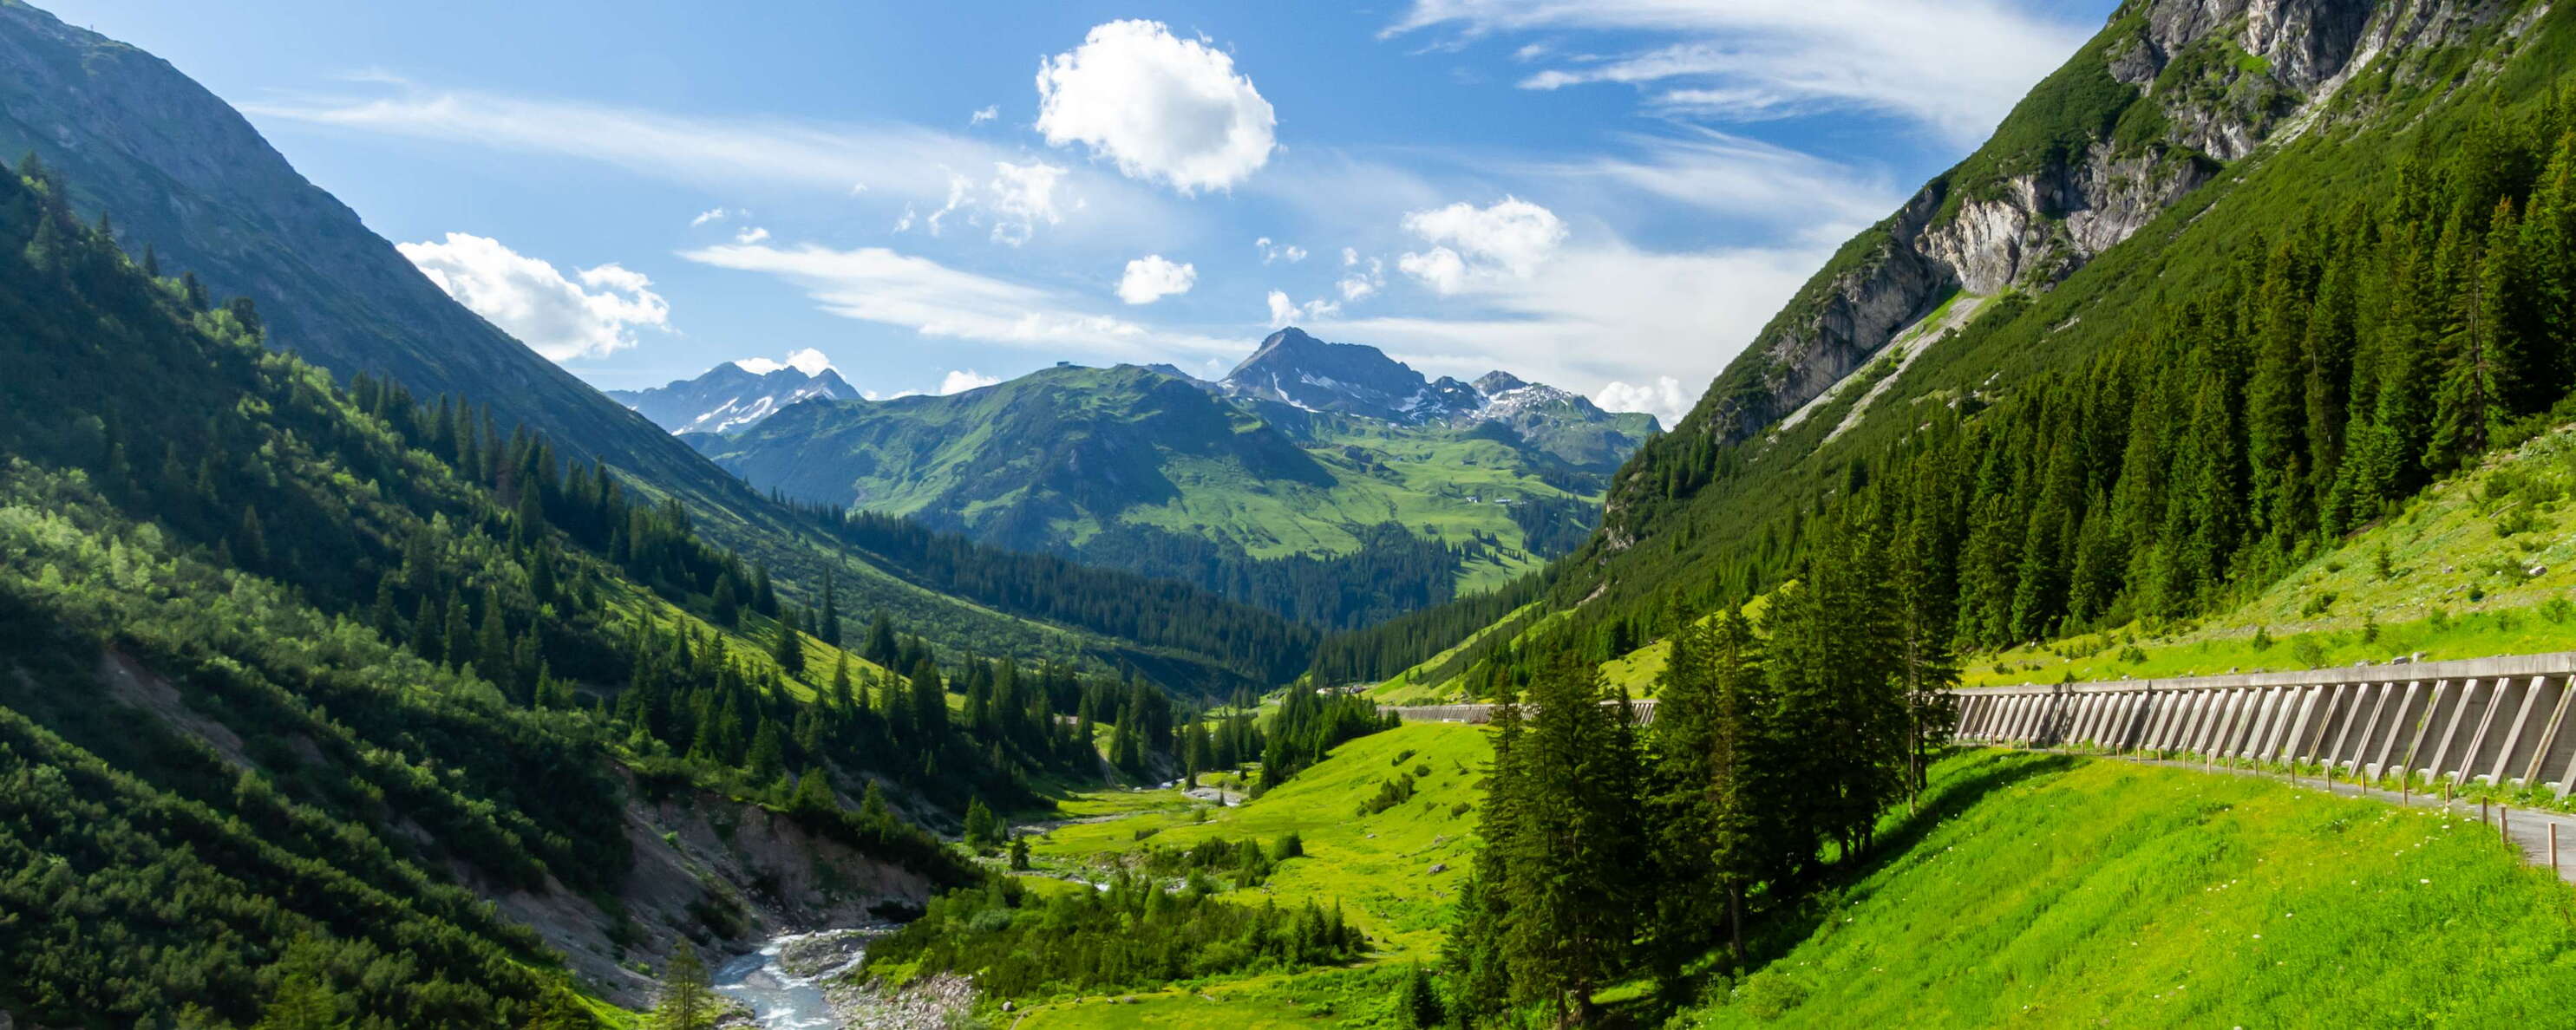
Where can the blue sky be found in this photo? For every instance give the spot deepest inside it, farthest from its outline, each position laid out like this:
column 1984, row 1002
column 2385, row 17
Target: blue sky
column 1609, row 195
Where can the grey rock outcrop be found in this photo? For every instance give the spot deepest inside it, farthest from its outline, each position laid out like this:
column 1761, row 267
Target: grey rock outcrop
column 2216, row 79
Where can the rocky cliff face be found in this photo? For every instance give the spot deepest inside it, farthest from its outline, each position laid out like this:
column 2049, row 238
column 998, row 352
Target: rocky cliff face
column 2150, row 110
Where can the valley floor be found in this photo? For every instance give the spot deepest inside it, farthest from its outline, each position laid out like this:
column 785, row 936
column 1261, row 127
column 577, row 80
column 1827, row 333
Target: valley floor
column 1392, row 872
column 2032, row 890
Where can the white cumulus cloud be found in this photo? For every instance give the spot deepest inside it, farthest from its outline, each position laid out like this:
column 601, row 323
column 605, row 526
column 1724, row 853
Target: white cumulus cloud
column 590, row 314
column 964, row 379
column 715, row 214
column 1284, row 311
column 1153, row 277
column 1508, row 238
column 1511, row 233
column 1439, row 268
column 1270, row 251
column 1662, row 398
column 1165, row 109
column 809, row 361
column 751, row 234
column 984, row 114
column 1023, row 196
column 1361, row 281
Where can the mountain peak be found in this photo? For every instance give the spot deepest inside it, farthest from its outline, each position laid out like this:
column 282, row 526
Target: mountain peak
column 1297, row 369
column 1498, row 381
column 737, row 394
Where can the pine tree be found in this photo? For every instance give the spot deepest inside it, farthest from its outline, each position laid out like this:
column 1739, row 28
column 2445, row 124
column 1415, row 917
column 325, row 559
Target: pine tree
column 458, row 645
column 1417, row 1004
column 929, row 701
column 1568, row 869
column 1833, row 661
column 2482, row 356
column 250, row 542
column 1474, row 952
column 727, row 602
column 787, row 645
column 881, row 644
column 768, row 759
column 764, row 599
column 492, row 655
column 303, row 998
column 686, row 1000
column 2277, row 421
column 840, row 694
column 982, row 831
column 827, row 626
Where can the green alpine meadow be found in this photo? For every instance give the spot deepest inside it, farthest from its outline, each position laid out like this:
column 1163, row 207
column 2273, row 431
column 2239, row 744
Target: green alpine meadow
column 1467, row 514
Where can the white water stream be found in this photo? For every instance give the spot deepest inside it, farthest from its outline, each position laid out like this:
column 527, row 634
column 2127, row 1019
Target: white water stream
column 780, row 999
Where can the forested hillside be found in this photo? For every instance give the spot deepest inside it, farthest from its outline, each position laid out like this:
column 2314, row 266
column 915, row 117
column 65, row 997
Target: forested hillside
column 305, row 675
column 2330, row 324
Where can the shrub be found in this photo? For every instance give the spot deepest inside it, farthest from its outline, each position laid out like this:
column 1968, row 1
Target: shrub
column 1769, row 995
column 1389, row 794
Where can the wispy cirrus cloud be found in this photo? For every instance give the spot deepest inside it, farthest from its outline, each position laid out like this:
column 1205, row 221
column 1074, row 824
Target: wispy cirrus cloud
column 702, row 148
column 1739, row 179
column 1953, row 66
column 904, row 163
column 882, row 286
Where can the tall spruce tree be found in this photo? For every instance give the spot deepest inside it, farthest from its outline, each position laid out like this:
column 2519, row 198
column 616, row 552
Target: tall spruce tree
column 1569, row 865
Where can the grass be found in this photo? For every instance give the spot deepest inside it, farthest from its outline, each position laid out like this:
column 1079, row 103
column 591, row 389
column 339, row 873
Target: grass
column 2053, row 891
column 1419, row 478
column 1377, row 867
column 2449, row 576
column 1334, row 997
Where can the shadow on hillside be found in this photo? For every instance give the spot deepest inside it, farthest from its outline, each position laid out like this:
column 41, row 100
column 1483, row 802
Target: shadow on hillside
column 1779, row 931
column 1772, row 933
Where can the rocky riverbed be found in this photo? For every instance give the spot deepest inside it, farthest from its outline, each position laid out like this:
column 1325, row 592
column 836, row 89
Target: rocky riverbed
column 803, row 982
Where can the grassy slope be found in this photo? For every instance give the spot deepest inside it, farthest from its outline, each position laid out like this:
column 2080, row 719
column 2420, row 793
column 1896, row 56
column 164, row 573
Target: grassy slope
column 1376, row 867
column 1420, row 478
column 2478, row 534
column 2066, row 892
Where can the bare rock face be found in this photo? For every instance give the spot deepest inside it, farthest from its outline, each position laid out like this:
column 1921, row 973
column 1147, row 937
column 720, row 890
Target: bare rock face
column 2214, row 79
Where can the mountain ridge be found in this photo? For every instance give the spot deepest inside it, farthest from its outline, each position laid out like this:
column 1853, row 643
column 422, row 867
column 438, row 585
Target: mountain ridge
column 732, row 396
column 1309, row 453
